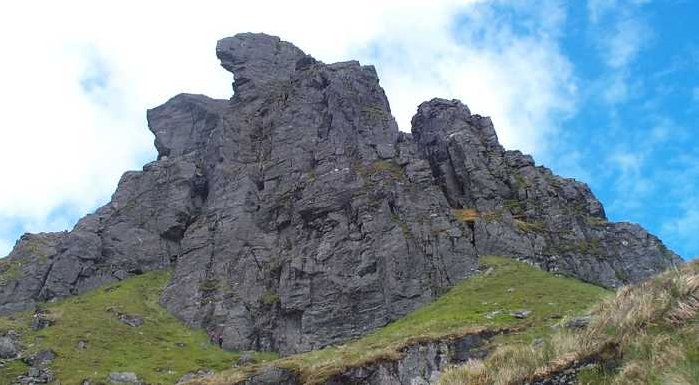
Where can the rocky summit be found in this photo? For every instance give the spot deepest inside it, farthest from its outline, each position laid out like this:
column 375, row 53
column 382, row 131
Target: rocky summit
column 296, row 215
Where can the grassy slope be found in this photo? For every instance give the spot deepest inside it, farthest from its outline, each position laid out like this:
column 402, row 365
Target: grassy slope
column 151, row 350
column 650, row 330
column 508, row 286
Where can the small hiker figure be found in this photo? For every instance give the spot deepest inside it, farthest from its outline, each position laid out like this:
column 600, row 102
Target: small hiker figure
column 220, row 340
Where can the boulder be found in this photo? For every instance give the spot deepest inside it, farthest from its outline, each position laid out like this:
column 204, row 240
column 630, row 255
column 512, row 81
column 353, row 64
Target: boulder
column 36, row 375
column 132, row 320
column 579, row 322
column 123, row 378
column 199, row 374
column 521, row 314
column 9, row 348
column 41, row 359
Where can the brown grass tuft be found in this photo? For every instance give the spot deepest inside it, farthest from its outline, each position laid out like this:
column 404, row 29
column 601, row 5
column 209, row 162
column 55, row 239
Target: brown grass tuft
column 653, row 325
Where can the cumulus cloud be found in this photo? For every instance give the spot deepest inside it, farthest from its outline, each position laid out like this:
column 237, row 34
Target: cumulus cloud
column 684, row 230
column 599, row 9
column 630, row 164
column 631, row 183
column 620, row 34
column 78, row 76
column 520, row 79
column 627, row 38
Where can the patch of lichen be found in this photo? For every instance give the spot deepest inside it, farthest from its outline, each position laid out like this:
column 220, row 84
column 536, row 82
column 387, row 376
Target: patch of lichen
column 269, row 298
column 375, row 114
column 594, row 221
column 590, row 246
column 466, row 215
column 10, row 270
column 388, row 168
column 530, row 227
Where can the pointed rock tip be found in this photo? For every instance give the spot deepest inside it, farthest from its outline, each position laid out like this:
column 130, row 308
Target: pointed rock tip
column 172, row 123
column 258, row 57
column 443, row 104
column 438, row 119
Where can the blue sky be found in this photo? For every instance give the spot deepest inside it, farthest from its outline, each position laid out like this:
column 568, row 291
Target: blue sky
column 634, row 134
column 603, row 91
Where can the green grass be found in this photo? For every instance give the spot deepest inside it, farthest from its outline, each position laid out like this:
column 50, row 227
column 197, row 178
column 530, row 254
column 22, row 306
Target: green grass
column 160, row 351
column 11, row 370
column 508, row 286
column 595, row 375
column 645, row 334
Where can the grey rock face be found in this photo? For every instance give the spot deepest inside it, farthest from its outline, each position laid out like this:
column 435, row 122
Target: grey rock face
column 314, row 229
column 296, row 215
column 273, row 376
column 522, row 210
column 419, row 364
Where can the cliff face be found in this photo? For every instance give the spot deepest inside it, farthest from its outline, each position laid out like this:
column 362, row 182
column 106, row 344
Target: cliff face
column 516, row 208
column 296, row 215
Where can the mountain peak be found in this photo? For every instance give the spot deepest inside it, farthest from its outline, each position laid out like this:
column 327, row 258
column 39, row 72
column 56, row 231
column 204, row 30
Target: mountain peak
column 295, row 215
column 257, row 59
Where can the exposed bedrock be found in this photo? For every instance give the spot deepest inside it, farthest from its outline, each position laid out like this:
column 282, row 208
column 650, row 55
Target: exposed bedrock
column 297, row 215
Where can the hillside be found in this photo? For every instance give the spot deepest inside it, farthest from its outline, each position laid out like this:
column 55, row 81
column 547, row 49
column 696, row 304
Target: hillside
column 90, row 340
column 645, row 334
column 163, row 349
column 481, row 306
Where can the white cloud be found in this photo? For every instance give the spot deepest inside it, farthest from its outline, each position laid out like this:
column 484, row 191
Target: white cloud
column 631, row 183
column 5, row 246
column 621, row 34
column 77, row 77
column 522, row 81
column 684, row 229
column 624, row 41
column 616, row 89
column 598, row 9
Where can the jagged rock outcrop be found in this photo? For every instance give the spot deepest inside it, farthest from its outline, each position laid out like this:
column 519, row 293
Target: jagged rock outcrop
column 420, row 363
column 516, row 208
column 296, row 215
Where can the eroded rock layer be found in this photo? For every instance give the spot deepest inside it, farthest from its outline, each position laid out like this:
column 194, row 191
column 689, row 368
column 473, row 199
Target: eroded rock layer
column 297, row 215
